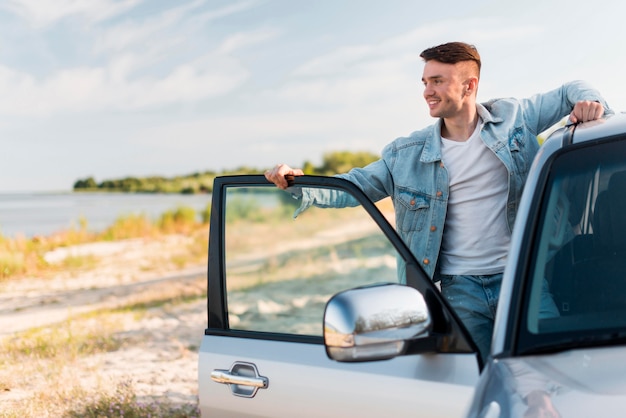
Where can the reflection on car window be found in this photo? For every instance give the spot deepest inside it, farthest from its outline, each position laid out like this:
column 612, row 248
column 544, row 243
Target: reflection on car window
column 580, row 260
column 280, row 271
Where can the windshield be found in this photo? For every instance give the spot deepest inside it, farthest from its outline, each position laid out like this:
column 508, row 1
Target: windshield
column 577, row 290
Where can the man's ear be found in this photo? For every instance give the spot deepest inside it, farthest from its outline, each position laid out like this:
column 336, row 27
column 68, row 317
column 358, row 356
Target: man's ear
column 471, row 85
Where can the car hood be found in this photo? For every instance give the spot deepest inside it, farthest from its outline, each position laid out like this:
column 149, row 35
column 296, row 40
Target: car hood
column 576, row 383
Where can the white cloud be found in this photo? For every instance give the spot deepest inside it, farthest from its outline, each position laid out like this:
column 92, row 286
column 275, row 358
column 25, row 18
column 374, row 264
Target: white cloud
column 41, row 13
column 225, row 11
column 133, row 66
column 474, row 30
column 246, row 39
column 90, row 89
column 132, row 34
column 354, row 75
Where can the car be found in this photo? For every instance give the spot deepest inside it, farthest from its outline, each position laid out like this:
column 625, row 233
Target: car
column 329, row 314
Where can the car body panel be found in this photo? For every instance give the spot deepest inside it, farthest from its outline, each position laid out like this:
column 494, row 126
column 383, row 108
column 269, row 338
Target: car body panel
column 303, row 382
column 576, row 383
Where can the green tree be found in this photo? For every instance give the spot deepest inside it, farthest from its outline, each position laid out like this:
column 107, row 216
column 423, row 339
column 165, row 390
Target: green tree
column 88, row 183
column 309, row 168
column 342, row 161
column 196, row 182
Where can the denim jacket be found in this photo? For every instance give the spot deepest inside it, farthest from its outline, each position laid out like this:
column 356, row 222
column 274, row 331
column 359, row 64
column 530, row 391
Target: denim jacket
column 412, row 172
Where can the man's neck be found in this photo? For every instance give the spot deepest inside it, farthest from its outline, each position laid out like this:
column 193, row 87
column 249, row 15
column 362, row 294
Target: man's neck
column 460, row 127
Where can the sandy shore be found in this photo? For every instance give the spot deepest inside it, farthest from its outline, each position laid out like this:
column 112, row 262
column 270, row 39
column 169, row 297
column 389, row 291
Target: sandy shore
column 159, row 353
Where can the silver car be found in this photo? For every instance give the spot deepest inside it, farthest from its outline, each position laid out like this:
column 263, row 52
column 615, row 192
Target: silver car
column 329, row 314
column 570, row 237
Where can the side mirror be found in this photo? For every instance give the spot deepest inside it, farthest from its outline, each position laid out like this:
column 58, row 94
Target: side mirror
column 374, row 322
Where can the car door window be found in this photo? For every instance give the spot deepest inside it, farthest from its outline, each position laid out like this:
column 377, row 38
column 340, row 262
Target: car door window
column 280, row 270
column 578, row 272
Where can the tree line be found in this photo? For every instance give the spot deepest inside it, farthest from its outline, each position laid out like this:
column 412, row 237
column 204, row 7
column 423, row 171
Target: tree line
column 202, row 182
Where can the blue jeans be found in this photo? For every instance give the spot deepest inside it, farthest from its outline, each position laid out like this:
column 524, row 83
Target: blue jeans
column 474, row 300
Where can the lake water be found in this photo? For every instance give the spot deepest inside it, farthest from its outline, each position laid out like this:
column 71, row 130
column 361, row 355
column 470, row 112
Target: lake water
column 33, row 214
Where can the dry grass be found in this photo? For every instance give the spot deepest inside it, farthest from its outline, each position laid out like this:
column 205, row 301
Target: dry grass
column 23, row 257
column 43, row 370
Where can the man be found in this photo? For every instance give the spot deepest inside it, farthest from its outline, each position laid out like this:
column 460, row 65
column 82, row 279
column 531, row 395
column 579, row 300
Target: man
column 456, row 184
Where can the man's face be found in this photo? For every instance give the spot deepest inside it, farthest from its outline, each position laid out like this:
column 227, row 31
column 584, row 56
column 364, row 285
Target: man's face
column 445, row 88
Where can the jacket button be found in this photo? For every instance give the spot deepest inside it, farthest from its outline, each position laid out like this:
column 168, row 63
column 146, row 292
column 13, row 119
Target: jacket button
column 441, row 164
column 439, row 193
column 426, row 261
column 412, row 202
column 433, row 228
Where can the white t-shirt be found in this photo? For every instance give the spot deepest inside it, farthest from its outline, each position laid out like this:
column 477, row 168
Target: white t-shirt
column 476, row 237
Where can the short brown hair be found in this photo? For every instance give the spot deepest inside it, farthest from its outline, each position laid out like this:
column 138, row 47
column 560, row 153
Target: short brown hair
column 452, row 53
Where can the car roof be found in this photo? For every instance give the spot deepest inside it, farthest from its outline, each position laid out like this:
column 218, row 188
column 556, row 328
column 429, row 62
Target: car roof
column 608, row 127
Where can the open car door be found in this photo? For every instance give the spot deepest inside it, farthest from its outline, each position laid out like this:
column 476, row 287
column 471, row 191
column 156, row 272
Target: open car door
column 269, row 278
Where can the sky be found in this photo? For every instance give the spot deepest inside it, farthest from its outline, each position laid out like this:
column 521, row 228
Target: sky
column 115, row 88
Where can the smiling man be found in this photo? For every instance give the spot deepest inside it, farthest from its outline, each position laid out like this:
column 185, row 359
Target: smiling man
column 456, row 184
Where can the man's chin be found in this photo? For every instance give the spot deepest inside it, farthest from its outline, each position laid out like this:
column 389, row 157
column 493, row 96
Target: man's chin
column 434, row 114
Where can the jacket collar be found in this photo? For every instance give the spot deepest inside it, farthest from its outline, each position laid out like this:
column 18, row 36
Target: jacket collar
column 432, row 147
column 484, row 111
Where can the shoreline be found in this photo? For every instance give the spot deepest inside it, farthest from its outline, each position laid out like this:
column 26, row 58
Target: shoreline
column 31, row 215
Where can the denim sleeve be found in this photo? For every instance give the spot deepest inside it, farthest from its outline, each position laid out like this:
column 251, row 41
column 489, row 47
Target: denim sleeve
column 374, row 180
column 541, row 111
column 322, row 198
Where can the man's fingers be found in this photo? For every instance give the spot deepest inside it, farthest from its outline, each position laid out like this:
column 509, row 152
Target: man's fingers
column 585, row 111
column 599, row 111
column 277, row 174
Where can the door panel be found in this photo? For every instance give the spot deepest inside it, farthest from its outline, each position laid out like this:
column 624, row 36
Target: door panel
column 270, row 276
column 303, row 382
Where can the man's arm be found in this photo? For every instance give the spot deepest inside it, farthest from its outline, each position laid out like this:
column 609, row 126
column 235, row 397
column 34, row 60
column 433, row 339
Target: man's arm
column 308, row 196
column 577, row 99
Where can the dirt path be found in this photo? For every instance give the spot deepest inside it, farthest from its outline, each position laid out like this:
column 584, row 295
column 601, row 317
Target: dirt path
column 19, row 312
column 119, row 278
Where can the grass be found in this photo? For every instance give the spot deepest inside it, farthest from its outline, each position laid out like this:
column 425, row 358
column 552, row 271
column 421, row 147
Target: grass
column 124, row 403
column 62, row 342
column 22, row 257
column 42, row 362
column 120, row 402
column 49, row 363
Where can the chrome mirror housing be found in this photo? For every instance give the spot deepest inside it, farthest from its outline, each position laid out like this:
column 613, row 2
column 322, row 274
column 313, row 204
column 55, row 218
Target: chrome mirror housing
column 374, row 322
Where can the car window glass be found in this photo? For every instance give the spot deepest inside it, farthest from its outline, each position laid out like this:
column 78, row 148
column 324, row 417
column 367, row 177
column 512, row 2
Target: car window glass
column 280, row 271
column 579, row 267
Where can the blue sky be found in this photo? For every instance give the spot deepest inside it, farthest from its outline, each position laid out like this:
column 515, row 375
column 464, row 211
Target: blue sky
column 115, row 88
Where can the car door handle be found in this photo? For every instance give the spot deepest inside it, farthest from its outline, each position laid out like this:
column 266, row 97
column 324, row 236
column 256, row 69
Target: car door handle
column 224, row 376
column 243, row 379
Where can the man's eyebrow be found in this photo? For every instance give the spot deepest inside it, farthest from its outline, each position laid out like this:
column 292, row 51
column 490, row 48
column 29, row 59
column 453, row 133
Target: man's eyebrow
column 434, row 77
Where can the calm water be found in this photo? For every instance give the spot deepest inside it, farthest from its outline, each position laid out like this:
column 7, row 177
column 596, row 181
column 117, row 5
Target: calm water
column 44, row 213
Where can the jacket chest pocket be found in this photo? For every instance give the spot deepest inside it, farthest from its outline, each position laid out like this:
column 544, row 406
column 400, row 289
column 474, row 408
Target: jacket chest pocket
column 516, row 138
column 520, row 161
column 412, row 210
